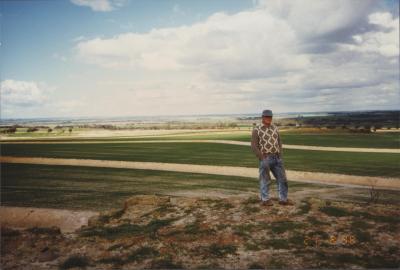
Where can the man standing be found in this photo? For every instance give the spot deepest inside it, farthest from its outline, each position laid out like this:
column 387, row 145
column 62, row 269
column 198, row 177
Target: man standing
column 267, row 145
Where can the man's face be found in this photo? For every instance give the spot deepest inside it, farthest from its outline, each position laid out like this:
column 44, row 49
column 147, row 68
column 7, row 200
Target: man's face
column 266, row 120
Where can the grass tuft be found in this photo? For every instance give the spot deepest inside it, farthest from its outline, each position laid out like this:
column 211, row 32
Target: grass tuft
column 75, row 261
column 125, row 229
column 219, row 251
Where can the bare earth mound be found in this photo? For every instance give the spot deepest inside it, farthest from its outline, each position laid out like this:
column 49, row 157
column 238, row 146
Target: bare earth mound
column 199, row 232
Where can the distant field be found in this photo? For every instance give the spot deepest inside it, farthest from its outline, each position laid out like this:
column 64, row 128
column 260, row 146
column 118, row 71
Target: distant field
column 342, row 139
column 369, row 164
column 104, row 188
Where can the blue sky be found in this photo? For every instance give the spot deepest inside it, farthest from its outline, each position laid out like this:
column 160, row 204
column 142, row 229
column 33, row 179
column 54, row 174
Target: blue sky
column 126, row 57
column 33, row 30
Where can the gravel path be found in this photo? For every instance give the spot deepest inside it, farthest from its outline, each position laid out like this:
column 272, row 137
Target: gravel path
column 285, row 146
column 300, row 176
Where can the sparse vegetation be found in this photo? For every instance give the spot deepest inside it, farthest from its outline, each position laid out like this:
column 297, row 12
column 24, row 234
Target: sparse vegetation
column 304, row 207
column 112, row 215
column 75, row 261
column 125, row 229
column 275, row 263
column 165, row 263
column 251, row 209
column 245, row 229
column 315, row 221
column 219, row 250
column 115, row 260
column 44, row 230
column 142, row 253
column 374, row 195
column 283, row 226
column 221, row 237
column 334, row 211
column 195, row 229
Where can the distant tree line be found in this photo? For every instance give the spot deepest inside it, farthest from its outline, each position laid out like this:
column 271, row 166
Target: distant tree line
column 14, row 128
column 365, row 121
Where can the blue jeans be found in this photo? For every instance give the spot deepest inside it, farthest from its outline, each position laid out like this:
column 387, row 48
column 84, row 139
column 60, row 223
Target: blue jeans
column 274, row 164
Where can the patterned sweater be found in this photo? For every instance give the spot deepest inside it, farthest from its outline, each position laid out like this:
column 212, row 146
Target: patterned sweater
column 266, row 140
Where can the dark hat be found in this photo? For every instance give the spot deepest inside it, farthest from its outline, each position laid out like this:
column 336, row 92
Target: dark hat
column 266, row 113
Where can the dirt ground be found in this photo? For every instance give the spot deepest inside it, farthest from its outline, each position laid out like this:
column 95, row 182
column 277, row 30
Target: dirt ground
column 71, row 220
column 201, row 232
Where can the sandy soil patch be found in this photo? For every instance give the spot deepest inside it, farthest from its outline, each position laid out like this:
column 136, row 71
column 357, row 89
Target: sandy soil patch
column 26, row 217
column 388, row 130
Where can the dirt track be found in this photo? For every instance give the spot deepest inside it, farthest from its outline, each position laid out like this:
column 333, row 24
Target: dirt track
column 285, row 146
column 300, row 176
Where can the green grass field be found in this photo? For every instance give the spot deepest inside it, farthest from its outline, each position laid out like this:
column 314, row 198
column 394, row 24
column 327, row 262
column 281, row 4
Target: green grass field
column 105, row 188
column 334, row 139
column 368, row 164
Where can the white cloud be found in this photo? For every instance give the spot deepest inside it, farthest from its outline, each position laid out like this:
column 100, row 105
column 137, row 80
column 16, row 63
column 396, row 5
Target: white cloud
column 385, row 42
column 78, row 38
column 68, row 106
column 176, row 9
column 100, row 5
column 246, row 44
column 60, row 57
column 22, row 93
column 319, row 18
column 275, row 37
column 292, row 55
column 24, row 99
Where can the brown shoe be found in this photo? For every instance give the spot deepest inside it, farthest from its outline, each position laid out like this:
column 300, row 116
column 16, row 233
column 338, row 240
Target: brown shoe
column 287, row 202
column 267, row 203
